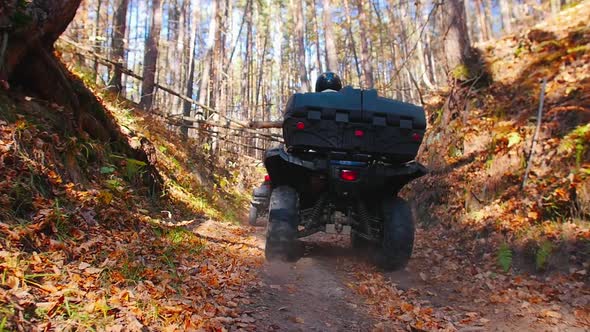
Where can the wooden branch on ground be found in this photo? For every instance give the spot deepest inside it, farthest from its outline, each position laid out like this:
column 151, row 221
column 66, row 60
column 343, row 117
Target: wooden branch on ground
column 539, row 117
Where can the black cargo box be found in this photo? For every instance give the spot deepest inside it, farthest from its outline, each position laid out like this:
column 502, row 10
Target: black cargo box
column 354, row 122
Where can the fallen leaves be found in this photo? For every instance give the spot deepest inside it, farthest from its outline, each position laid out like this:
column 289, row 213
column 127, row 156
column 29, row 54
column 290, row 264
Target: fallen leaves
column 297, row 320
column 478, row 158
column 472, row 297
column 583, row 315
column 389, row 303
column 550, row 314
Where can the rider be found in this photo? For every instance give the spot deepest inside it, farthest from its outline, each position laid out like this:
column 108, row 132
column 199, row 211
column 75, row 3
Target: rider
column 328, row 82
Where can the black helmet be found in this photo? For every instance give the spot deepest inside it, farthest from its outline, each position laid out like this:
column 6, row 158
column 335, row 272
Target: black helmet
column 328, row 80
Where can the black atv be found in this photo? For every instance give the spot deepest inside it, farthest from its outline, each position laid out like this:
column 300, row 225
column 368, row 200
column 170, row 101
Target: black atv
column 346, row 156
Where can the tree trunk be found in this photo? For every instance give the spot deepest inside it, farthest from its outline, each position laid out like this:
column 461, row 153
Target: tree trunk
column 247, row 61
column 118, row 43
column 262, row 65
column 96, row 29
column 30, row 48
column 393, row 31
column 506, row 13
column 29, row 62
column 351, row 36
column 487, row 9
column 150, row 58
column 555, row 6
column 184, row 47
column 297, row 10
column 484, row 34
column 187, row 106
column 204, row 95
column 460, row 57
column 316, row 27
column 331, row 51
column 421, row 41
column 218, row 53
column 366, row 60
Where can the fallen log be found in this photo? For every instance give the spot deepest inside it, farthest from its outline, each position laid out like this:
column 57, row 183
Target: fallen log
column 265, row 124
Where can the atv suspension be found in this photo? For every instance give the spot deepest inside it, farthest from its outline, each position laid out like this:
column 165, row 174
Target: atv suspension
column 312, row 217
column 368, row 223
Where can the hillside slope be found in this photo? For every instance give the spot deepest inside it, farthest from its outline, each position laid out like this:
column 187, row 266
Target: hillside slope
column 479, row 142
column 85, row 230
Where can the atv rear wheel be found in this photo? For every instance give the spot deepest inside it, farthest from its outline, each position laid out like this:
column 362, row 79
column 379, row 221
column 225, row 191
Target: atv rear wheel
column 359, row 242
column 253, row 216
column 398, row 234
column 281, row 230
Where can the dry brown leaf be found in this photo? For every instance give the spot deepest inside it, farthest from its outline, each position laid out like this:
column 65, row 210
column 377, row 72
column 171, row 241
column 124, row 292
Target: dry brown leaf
column 551, row 313
column 298, row 320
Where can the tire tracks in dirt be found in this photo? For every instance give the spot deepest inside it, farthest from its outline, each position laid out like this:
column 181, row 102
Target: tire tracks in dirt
column 445, row 287
column 311, row 294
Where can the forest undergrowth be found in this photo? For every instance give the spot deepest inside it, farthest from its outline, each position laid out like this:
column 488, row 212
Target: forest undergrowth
column 90, row 240
column 479, row 143
column 492, row 254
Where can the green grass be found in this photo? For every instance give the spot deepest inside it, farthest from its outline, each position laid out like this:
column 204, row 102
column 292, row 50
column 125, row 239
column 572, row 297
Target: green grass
column 543, row 254
column 62, row 222
column 461, row 72
column 3, row 324
column 131, row 269
column 548, row 44
column 504, row 257
column 576, row 143
column 571, row 4
column 578, row 49
column 178, row 235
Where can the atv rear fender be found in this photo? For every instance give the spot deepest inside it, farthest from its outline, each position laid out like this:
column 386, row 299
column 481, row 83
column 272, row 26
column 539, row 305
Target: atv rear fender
column 287, row 169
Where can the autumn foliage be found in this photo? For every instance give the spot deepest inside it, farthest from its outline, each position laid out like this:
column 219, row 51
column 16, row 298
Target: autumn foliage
column 479, row 144
column 110, row 248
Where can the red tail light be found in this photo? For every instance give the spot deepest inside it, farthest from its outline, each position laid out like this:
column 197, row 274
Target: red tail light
column 416, row 137
column 359, row 133
column 267, row 178
column 300, row 125
column 348, row 175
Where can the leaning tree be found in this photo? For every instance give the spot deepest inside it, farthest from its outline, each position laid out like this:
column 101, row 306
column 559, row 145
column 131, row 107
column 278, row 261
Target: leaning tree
column 28, row 32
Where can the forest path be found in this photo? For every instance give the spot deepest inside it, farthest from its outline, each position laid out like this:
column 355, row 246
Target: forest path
column 311, row 294
column 444, row 287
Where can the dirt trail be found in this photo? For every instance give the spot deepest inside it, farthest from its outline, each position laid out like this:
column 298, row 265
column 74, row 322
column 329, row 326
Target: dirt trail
column 333, row 288
column 311, row 294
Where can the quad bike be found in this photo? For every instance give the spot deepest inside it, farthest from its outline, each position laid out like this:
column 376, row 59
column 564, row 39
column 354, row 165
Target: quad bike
column 345, row 158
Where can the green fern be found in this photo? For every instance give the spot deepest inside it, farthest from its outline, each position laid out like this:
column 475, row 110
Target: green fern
column 504, row 257
column 543, row 254
column 3, row 324
column 134, row 169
